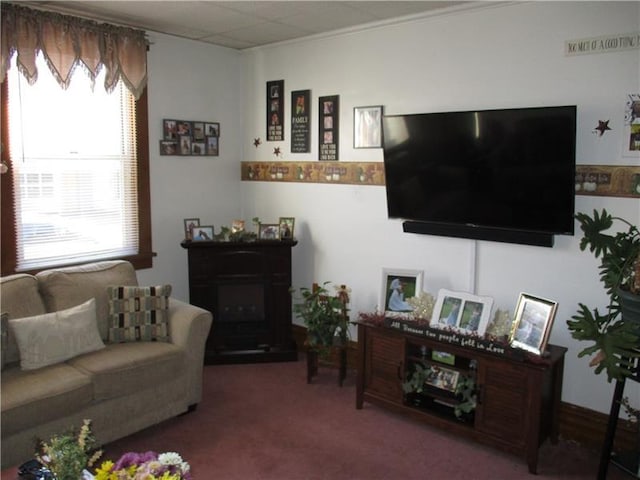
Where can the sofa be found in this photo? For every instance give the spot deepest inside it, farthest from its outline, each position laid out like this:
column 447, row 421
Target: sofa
column 87, row 342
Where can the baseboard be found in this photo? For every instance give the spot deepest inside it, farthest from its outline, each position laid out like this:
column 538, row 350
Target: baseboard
column 577, row 424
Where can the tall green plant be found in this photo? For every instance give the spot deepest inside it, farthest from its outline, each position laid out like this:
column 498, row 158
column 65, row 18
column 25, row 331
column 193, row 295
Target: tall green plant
column 615, row 340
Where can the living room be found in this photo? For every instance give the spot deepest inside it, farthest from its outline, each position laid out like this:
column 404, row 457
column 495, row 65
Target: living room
column 483, row 56
column 490, row 56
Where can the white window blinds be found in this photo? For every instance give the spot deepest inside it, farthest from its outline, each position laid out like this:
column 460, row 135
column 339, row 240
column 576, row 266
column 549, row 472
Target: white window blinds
column 74, row 158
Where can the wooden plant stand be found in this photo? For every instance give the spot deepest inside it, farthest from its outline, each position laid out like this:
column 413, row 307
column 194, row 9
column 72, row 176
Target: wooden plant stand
column 312, row 364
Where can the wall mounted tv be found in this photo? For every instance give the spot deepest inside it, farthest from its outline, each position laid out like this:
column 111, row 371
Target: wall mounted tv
column 502, row 175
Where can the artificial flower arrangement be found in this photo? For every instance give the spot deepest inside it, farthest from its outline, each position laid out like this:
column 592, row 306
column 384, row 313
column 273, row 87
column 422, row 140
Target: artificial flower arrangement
column 145, row 466
column 68, row 456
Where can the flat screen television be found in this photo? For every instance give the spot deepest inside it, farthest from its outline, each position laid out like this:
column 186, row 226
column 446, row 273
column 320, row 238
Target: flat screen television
column 503, row 175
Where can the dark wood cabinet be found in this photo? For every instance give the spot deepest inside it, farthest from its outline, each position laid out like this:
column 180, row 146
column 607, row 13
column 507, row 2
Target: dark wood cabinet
column 518, row 399
column 245, row 285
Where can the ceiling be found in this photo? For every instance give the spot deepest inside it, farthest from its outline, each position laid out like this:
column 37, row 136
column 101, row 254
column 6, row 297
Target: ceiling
column 245, row 24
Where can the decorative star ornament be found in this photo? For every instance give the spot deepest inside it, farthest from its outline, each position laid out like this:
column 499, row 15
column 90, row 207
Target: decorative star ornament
column 276, row 151
column 602, row 127
column 257, row 142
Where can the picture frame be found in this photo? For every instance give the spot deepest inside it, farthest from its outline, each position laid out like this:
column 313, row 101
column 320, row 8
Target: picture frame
column 202, row 233
column 443, row 357
column 443, row 378
column 631, row 131
column 367, row 127
column 269, row 231
column 286, row 227
column 462, row 312
column 237, row 226
column 397, row 286
column 189, row 225
column 532, row 323
column 190, row 138
column 170, row 130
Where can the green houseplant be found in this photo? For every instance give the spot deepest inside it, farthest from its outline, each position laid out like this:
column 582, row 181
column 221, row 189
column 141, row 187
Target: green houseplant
column 325, row 315
column 616, row 331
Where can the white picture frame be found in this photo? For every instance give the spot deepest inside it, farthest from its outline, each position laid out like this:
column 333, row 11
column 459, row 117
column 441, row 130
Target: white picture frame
column 398, row 285
column 462, row 312
column 367, row 127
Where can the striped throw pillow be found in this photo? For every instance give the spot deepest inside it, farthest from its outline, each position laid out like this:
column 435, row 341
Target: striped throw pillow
column 138, row 314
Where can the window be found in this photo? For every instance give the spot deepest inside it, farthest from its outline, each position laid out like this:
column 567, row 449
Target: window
column 78, row 173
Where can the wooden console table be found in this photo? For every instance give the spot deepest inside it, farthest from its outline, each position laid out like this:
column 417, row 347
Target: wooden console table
column 517, row 399
column 245, row 285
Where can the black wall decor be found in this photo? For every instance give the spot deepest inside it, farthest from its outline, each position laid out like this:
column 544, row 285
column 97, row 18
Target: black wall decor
column 329, row 115
column 275, row 110
column 301, row 121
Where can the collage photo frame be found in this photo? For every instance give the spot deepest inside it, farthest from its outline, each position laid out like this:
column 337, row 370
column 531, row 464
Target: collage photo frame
column 190, row 138
column 461, row 312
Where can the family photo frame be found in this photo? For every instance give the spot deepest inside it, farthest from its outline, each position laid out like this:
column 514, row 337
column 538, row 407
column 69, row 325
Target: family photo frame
column 269, row 231
column 189, row 138
column 532, row 323
column 189, row 225
column 367, row 127
column 397, row 286
column 286, row 227
column 203, row 233
column 461, row 312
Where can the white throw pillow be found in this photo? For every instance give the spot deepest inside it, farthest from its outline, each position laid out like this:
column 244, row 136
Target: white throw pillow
column 58, row 336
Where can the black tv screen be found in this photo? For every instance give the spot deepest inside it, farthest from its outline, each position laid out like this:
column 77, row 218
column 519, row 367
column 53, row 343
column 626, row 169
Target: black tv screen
column 509, row 170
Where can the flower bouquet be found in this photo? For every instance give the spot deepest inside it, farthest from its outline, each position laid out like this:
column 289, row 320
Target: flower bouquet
column 145, row 466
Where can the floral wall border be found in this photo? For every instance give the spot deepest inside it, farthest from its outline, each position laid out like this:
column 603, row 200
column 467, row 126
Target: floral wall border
column 595, row 180
column 608, row 180
column 345, row 173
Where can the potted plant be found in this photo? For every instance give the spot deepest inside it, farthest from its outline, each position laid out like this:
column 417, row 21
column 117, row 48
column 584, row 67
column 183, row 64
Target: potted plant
column 616, row 331
column 326, row 316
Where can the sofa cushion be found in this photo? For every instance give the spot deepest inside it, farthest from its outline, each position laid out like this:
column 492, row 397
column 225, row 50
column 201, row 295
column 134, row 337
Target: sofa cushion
column 63, row 288
column 138, row 313
column 19, row 297
column 35, row 397
column 57, row 336
column 124, row 368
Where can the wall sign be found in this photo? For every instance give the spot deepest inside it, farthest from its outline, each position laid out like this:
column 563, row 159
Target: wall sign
column 275, row 110
column 300, row 121
column 328, row 138
column 604, row 44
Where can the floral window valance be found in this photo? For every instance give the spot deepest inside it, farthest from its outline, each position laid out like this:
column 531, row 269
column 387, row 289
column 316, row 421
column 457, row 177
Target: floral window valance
column 67, row 42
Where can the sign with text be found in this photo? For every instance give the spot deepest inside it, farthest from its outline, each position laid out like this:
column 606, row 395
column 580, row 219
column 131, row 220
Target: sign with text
column 604, row 44
column 329, row 129
column 301, row 121
column 275, row 110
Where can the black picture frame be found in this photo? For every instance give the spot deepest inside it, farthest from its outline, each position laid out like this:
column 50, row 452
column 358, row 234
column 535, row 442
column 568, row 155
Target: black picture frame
column 275, row 111
column 189, row 138
column 329, row 128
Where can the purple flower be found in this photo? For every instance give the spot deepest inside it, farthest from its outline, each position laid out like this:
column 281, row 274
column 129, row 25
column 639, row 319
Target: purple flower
column 133, row 458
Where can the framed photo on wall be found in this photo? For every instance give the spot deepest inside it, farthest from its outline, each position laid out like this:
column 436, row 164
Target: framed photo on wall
column 631, row 135
column 367, row 127
column 397, row 286
column 462, row 312
column 532, row 323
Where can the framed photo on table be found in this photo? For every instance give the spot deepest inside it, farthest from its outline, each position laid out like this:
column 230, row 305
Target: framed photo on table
column 532, row 323
column 203, row 233
column 286, row 227
column 397, row 286
column 189, row 225
column 462, row 312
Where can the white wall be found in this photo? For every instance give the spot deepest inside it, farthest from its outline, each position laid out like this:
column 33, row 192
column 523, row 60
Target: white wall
column 190, row 81
column 485, row 57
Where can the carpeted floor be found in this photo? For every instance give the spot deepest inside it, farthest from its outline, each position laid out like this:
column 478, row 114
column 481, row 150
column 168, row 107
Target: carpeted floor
column 264, row 422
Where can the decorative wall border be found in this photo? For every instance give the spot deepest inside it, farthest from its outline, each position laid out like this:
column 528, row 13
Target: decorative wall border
column 595, row 180
column 346, row 173
column 608, row 180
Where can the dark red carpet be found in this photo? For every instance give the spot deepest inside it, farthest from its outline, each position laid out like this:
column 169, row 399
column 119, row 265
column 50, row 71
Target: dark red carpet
column 264, row 422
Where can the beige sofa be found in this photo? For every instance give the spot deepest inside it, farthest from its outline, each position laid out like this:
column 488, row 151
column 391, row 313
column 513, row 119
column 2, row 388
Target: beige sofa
column 120, row 387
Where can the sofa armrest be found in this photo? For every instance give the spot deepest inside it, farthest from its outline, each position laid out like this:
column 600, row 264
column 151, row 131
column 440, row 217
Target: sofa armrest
column 189, row 328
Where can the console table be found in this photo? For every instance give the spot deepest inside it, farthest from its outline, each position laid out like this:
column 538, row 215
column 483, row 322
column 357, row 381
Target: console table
column 518, row 399
column 245, row 285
